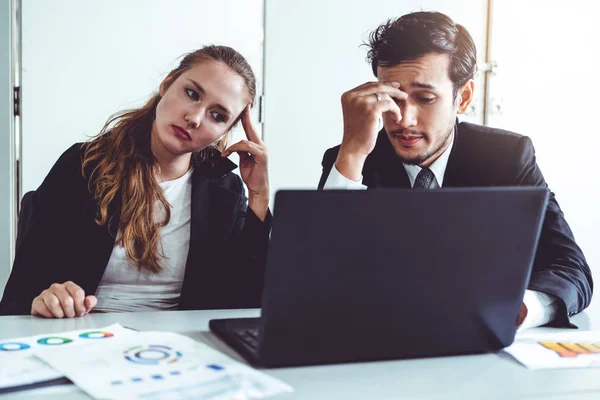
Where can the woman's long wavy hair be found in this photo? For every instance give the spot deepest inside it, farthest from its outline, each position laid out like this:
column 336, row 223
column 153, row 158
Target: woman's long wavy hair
column 120, row 166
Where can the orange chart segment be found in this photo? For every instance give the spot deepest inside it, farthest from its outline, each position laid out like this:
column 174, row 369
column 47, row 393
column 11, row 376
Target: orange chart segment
column 571, row 350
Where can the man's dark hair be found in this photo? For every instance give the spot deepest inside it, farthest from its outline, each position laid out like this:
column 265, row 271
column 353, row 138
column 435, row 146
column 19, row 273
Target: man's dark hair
column 417, row 34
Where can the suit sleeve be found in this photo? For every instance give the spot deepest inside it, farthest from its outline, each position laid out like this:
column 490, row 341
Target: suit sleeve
column 45, row 242
column 559, row 268
column 249, row 242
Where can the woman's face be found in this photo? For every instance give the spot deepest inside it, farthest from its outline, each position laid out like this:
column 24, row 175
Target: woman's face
column 199, row 108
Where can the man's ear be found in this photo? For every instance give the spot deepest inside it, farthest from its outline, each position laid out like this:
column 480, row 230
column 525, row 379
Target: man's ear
column 464, row 97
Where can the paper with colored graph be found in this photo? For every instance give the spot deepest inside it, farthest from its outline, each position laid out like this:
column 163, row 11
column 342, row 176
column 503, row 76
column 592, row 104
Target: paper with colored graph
column 160, row 365
column 19, row 366
column 557, row 350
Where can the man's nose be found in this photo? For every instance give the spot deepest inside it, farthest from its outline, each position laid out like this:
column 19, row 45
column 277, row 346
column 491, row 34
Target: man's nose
column 409, row 115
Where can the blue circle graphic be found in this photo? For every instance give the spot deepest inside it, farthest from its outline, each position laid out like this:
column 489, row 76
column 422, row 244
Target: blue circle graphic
column 54, row 341
column 152, row 355
column 13, row 346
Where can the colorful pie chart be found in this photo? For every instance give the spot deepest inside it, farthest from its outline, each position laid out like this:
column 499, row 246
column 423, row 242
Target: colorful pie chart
column 152, row 355
column 54, row 341
column 13, row 346
column 96, row 335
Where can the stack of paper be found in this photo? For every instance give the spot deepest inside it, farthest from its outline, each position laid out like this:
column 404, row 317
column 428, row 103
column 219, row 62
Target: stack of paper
column 557, row 350
column 160, row 365
column 20, row 367
column 118, row 363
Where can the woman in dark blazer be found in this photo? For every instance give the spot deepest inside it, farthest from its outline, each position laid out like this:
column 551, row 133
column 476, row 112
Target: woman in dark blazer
column 148, row 215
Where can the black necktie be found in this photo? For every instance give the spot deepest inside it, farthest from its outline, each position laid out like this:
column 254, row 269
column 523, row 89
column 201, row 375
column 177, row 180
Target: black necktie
column 424, row 179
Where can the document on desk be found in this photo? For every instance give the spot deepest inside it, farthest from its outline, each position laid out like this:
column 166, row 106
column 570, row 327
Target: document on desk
column 557, row 350
column 19, row 365
column 160, row 365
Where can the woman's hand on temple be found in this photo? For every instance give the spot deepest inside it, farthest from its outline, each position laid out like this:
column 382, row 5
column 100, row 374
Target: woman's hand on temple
column 253, row 166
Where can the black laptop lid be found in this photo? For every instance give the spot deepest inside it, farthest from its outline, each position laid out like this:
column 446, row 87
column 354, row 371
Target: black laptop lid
column 368, row 275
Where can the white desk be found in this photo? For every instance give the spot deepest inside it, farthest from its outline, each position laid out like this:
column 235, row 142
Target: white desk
column 488, row 376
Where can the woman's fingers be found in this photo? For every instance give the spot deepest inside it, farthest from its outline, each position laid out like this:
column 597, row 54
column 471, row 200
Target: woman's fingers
column 90, row 302
column 245, row 146
column 66, row 301
column 38, row 308
column 78, row 295
column 63, row 300
column 251, row 133
column 53, row 304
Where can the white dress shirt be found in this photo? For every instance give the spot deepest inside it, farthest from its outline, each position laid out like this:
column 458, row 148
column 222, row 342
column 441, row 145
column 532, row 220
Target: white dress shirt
column 541, row 308
column 125, row 287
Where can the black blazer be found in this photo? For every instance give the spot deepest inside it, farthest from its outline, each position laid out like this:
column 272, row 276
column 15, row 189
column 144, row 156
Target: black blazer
column 483, row 156
column 228, row 243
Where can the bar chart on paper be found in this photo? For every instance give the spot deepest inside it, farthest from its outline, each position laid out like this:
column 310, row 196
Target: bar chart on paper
column 557, row 350
column 570, row 350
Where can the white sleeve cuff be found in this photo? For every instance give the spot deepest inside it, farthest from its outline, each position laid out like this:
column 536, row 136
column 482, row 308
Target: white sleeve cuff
column 541, row 309
column 336, row 180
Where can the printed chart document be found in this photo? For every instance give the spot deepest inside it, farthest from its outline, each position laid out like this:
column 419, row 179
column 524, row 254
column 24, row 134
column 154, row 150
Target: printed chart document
column 160, row 365
column 557, row 350
column 20, row 367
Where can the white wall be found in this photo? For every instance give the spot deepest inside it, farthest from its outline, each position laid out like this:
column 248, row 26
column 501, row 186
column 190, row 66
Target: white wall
column 85, row 60
column 7, row 212
column 312, row 56
column 548, row 84
column 547, row 77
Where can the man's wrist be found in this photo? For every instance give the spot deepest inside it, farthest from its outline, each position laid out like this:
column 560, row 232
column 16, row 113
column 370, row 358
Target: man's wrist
column 350, row 165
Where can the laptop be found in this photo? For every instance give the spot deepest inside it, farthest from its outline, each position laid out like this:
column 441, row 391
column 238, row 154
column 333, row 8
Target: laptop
column 391, row 274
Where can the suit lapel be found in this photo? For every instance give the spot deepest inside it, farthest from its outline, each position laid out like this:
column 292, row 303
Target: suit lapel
column 457, row 170
column 210, row 201
column 213, row 214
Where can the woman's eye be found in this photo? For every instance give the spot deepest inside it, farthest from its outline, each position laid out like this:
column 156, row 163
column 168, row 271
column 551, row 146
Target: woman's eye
column 218, row 117
column 192, row 94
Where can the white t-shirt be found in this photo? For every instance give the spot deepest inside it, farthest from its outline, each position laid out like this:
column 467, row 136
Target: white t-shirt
column 125, row 287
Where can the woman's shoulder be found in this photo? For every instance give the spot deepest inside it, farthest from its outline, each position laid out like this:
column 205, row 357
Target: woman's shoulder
column 70, row 159
column 67, row 169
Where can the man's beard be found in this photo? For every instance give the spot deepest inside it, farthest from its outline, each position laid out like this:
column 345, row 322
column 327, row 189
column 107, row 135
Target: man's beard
column 421, row 158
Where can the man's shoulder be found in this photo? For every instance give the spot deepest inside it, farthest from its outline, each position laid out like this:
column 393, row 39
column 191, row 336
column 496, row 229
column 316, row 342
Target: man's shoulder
column 330, row 156
column 481, row 132
column 485, row 140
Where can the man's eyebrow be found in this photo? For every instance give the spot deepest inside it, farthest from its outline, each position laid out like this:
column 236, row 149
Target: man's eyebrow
column 420, row 85
column 201, row 90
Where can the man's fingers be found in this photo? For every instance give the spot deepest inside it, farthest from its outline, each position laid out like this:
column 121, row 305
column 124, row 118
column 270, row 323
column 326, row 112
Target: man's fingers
column 53, row 304
column 38, row 308
column 249, row 127
column 387, row 104
column 370, row 84
column 382, row 88
column 78, row 295
column 90, row 302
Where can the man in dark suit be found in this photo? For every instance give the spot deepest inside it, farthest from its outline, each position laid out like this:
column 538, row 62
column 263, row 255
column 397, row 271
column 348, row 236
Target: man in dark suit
column 425, row 64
